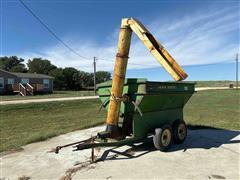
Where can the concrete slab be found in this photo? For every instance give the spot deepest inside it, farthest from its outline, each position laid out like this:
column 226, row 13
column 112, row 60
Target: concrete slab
column 35, row 161
column 25, row 101
column 206, row 154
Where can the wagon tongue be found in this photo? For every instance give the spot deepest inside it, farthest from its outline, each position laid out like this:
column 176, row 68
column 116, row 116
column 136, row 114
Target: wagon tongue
column 86, row 141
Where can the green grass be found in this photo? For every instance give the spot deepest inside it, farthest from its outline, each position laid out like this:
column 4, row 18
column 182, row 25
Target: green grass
column 59, row 94
column 25, row 123
column 214, row 83
column 55, row 94
column 214, row 108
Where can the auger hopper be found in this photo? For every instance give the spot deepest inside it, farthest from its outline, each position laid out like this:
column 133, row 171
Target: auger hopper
column 147, row 105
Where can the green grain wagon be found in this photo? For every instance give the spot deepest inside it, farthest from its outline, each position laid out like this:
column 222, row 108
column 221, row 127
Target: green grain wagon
column 147, row 108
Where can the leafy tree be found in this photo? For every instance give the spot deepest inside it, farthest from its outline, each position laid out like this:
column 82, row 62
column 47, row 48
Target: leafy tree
column 71, row 78
column 102, row 76
column 39, row 65
column 58, row 78
column 64, row 78
column 81, row 79
column 12, row 63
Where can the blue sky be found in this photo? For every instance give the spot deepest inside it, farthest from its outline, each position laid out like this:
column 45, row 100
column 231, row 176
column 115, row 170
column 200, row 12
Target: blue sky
column 203, row 36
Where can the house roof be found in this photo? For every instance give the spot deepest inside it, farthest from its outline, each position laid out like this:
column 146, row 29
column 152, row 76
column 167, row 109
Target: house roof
column 29, row 75
column 32, row 75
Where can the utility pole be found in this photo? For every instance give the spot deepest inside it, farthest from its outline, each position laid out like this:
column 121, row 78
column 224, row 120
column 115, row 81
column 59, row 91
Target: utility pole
column 94, row 74
column 237, row 71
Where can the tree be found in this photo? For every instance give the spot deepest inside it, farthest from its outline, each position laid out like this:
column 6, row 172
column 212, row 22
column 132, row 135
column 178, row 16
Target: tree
column 71, row 81
column 39, row 65
column 58, row 78
column 102, row 76
column 13, row 64
column 64, row 78
column 86, row 79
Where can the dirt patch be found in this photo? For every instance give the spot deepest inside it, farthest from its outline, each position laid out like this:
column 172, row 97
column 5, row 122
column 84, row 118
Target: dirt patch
column 72, row 171
column 24, row 178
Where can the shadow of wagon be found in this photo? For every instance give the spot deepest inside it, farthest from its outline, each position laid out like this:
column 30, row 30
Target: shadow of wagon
column 197, row 138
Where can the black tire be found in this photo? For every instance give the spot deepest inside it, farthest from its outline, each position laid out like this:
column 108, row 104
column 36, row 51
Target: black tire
column 162, row 139
column 179, row 131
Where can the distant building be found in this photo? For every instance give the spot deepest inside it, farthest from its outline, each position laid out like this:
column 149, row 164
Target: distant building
column 25, row 83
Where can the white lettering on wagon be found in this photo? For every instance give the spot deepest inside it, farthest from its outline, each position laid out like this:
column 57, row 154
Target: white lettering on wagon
column 167, row 87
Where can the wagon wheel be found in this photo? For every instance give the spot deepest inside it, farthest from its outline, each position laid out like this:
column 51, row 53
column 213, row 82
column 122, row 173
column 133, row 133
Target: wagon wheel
column 179, row 131
column 163, row 138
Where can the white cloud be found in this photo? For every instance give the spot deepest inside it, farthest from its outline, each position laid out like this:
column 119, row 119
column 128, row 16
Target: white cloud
column 201, row 38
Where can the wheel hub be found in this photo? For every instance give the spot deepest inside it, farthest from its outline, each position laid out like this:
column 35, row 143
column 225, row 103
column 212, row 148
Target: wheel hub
column 166, row 137
column 181, row 131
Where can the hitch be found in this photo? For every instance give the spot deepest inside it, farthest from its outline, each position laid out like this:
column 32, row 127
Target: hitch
column 86, row 141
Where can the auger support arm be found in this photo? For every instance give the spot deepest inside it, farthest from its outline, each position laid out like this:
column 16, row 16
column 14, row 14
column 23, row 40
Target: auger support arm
column 157, row 50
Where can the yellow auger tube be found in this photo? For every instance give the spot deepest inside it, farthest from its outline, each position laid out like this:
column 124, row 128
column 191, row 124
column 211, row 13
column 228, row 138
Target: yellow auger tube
column 119, row 73
column 156, row 49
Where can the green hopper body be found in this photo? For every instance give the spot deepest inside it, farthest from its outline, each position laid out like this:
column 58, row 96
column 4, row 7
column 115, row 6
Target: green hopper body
column 156, row 103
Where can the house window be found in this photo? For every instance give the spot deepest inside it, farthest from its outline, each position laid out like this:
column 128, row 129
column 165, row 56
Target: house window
column 1, row 82
column 24, row 80
column 46, row 83
column 10, row 81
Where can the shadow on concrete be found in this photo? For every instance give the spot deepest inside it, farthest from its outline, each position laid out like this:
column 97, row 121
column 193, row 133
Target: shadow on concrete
column 134, row 151
column 197, row 127
column 207, row 138
column 200, row 137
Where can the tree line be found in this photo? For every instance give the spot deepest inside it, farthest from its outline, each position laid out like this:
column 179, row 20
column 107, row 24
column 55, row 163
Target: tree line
column 67, row 78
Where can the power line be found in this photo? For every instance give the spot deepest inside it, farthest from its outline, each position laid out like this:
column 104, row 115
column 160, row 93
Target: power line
column 67, row 46
column 103, row 59
column 51, row 31
column 60, row 40
column 152, row 66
